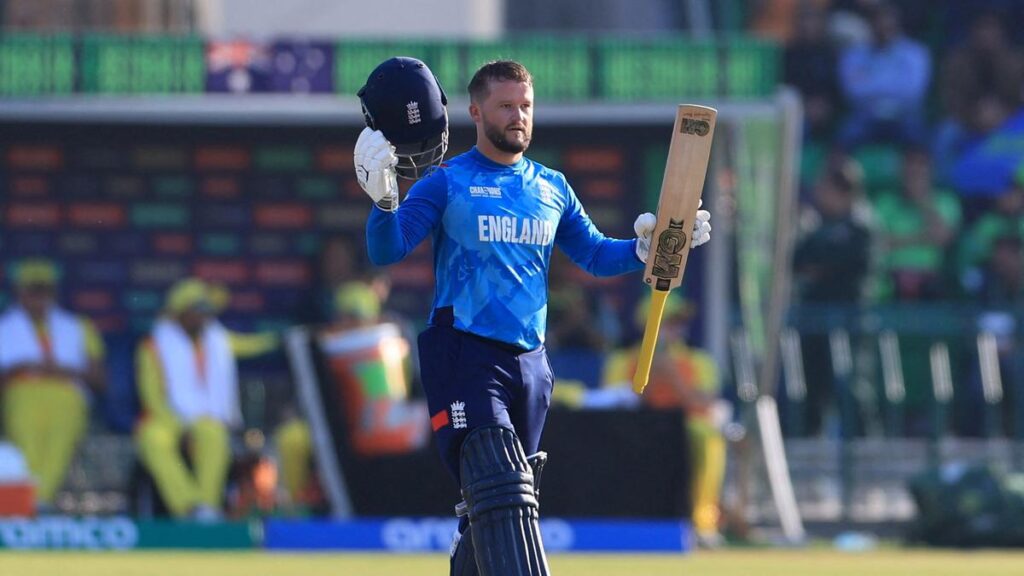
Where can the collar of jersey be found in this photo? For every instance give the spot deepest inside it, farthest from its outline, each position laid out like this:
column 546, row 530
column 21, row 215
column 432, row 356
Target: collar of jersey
column 486, row 162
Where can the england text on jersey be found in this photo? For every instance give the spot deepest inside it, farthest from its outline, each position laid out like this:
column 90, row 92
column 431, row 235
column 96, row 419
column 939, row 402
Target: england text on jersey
column 514, row 230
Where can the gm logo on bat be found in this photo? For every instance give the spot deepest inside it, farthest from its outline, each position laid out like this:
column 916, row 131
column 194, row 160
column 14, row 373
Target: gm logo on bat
column 667, row 257
column 695, row 127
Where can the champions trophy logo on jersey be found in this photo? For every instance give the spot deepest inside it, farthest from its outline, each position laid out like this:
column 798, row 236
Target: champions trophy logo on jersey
column 413, row 109
column 667, row 256
column 458, row 415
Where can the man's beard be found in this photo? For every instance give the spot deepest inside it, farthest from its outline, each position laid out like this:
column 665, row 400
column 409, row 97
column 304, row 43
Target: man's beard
column 497, row 137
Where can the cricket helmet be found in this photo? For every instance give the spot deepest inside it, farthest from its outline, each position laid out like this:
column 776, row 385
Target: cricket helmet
column 403, row 99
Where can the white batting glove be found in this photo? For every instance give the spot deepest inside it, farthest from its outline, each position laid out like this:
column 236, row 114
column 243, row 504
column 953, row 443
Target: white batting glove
column 644, row 228
column 701, row 227
column 375, row 162
column 646, row 222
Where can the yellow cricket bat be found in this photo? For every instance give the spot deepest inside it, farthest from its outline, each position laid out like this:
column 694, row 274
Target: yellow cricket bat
column 688, row 156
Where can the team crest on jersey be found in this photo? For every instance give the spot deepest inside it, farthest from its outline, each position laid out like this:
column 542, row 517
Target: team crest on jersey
column 547, row 191
column 413, row 110
column 458, row 415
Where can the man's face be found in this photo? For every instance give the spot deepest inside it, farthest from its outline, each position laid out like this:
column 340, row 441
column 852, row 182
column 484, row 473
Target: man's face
column 917, row 171
column 1007, row 262
column 506, row 115
column 831, row 200
column 885, row 25
column 193, row 320
column 36, row 298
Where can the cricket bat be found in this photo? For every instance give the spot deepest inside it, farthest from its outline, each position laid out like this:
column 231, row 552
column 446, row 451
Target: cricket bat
column 688, row 156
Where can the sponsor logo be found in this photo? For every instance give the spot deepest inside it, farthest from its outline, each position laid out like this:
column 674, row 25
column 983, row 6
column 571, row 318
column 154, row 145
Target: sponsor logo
column 409, row 535
column 485, row 192
column 430, row 534
column 515, row 230
column 413, row 110
column 458, row 415
column 667, row 257
column 62, row 532
column 695, row 127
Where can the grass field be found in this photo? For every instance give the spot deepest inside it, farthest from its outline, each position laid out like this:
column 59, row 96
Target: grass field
column 718, row 563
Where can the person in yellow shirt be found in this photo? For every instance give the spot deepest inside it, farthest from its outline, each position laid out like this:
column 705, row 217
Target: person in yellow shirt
column 50, row 362
column 684, row 378
column 293, row 440
column 188, row 387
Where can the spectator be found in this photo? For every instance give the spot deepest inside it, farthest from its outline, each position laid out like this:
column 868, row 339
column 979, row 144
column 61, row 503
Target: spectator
column 369, row 360
column 188, row 386
column 292, row 440
column 809, row 65
column 50, row 361
column 830, row 264
column 684, row 378
column 1003, row 283
column 775, row 19
column 956, row 17
column 1000, row 290
column 831, row 261
column 917, row 16
column 884, row 83
column 1006, row 218
column 982, row 83
column 916, row 227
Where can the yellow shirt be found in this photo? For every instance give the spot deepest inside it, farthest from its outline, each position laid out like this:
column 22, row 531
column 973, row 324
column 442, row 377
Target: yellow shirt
column 150, row 377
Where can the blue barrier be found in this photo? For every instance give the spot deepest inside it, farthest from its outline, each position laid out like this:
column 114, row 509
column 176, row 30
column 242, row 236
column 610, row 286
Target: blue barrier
column 435, row 535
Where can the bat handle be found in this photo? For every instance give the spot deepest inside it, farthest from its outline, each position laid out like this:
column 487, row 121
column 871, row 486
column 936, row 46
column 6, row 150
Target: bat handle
column 643, row 364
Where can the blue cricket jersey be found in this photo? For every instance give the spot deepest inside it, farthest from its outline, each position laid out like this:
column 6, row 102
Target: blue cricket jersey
column 493, row 227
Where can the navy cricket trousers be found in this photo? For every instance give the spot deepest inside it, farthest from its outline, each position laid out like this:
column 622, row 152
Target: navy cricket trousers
column 471, row 381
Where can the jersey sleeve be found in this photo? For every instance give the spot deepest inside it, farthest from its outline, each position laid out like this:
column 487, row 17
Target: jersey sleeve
column 390, row 236
column 588, row 247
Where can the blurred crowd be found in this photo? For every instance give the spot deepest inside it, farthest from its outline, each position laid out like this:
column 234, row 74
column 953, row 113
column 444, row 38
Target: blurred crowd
column 902, row 178
column 913, row 181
